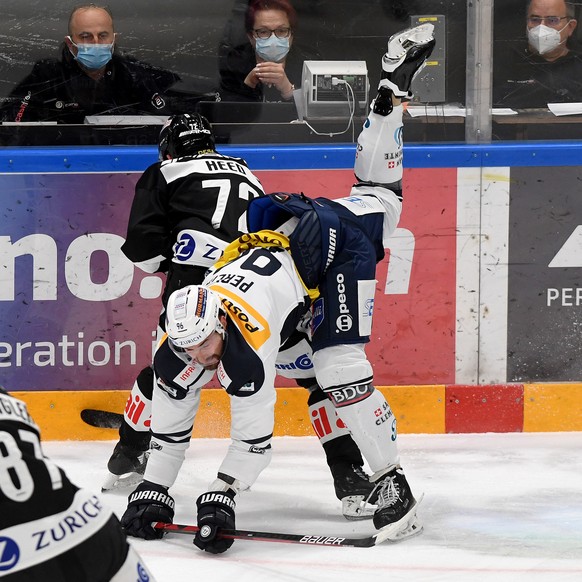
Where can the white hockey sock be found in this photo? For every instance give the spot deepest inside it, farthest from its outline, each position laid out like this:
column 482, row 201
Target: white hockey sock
column 373, row 428
column 379, row 151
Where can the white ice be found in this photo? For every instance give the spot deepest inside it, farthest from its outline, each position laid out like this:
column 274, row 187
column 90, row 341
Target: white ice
column 497, row 507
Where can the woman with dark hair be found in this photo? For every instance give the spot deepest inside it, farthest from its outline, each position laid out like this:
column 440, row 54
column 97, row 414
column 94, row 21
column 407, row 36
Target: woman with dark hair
column 267, row 66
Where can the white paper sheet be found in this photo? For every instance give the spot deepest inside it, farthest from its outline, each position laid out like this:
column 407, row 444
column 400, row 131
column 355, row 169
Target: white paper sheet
column 560, row 109
column 449, row 111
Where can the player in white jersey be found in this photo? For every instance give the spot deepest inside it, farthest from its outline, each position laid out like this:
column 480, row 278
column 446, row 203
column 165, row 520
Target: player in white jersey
column 314, row 255
column 52, row 530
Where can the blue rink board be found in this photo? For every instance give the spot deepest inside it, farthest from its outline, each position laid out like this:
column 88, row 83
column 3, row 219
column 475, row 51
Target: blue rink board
column 39, row 160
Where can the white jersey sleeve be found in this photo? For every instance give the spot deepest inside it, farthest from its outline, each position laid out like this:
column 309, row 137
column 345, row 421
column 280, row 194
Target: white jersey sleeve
column 264, row 301
column 175, row 402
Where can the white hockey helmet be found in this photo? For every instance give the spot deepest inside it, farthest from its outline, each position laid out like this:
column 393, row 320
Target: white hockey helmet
column 192, row 314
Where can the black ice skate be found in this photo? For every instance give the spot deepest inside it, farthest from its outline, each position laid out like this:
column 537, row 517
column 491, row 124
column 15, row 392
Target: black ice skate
column 354, row 489
column 126, row 467
column 405, row 58
column 395, row 516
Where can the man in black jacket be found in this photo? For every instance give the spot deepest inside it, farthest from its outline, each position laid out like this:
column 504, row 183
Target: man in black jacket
column 90, row 78
column 548, row 70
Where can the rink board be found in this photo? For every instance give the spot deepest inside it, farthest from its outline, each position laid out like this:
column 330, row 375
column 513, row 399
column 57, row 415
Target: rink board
column 419, row 409
column 476, row 325
column 78, row 314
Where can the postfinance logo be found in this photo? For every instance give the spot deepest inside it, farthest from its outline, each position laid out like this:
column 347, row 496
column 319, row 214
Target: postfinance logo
column 252, row 325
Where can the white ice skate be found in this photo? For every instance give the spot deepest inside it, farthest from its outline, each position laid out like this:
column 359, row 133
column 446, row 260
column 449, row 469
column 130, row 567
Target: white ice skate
column 405, row 58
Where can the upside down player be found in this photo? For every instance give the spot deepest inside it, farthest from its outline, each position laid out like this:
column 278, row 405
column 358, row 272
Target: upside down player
column 187, row 207
column 318, row 254
column 52, row 531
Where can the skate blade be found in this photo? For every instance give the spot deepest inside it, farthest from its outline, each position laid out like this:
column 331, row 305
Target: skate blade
column 399, row 44
column 354, row 508
column 417, row 35
column 406, row 527
column 420, row 35
column 115, row 482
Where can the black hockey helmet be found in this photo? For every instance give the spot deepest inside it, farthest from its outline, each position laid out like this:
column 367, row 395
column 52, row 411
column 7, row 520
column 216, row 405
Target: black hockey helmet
column 186, row 134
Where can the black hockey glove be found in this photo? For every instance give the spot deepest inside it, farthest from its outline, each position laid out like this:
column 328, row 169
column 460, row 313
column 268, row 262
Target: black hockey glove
column 149, row 502
column 215, row 512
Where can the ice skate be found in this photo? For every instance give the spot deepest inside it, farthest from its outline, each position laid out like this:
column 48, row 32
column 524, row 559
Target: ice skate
column 354, row 489
column 405, row 58
column 126, row 468
column 395, row 516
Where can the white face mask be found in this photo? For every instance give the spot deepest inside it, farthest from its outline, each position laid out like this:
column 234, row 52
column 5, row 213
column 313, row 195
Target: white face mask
column 544, row 39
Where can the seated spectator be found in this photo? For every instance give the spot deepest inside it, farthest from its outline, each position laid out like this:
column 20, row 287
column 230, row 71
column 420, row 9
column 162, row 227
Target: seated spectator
column 267, row 66
column 90, row 78
column 548, row 70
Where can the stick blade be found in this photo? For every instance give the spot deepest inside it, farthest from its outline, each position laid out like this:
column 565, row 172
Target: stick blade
column 101, row 418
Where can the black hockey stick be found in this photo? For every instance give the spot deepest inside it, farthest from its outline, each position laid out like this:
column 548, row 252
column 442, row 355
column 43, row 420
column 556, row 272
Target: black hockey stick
column 262, row 536
column 101, row 418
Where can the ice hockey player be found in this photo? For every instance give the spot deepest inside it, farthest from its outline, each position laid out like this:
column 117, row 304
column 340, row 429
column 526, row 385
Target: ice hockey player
column 52, row 530
column 186, row 208
column 318, row 254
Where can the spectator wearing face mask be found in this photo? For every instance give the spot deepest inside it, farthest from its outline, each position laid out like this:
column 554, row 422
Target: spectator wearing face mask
column 268, row 65
column 548, row 70
column 90, row 78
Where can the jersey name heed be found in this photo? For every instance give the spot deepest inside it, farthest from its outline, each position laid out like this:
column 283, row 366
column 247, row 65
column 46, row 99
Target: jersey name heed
column 211, row 165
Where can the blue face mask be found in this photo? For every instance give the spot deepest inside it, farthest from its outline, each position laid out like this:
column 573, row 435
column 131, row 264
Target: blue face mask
column 93, row 56
column 272, row 49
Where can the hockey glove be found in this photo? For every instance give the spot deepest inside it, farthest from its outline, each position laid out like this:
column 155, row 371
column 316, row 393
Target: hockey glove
column 215, row 512
column 149, row 502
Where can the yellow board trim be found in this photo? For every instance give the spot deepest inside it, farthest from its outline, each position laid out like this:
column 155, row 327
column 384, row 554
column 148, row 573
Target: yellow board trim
column 418, row 410
column 552, row 407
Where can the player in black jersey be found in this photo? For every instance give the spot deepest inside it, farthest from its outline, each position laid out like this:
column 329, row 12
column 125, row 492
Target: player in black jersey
column 187, row 207
column 52, row 531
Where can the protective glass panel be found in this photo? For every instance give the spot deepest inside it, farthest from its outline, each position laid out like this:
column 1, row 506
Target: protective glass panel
column 537, row 70
column 197, row 56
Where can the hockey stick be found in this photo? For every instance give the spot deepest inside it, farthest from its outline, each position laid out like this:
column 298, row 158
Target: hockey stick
column 262, row 536
column 101, row 418
column 407, row 527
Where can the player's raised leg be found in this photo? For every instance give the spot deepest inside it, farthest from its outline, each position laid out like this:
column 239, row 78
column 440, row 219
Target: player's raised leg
column 364, row 409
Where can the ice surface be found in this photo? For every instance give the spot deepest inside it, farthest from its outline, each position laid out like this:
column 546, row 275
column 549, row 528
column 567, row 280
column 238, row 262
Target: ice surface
column 497, row 507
